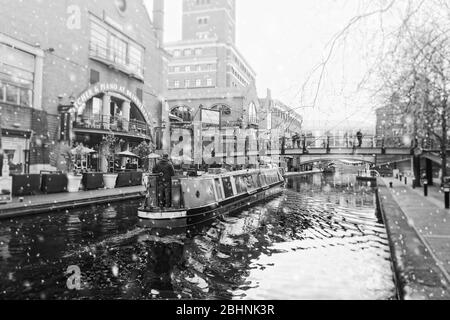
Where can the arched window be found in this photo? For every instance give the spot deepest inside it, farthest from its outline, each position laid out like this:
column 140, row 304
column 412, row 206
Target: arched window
column 183, row 112
column 226, row 110
column 252, row 114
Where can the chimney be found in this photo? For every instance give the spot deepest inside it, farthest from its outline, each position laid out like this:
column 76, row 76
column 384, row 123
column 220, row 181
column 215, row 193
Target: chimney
column 158, row 20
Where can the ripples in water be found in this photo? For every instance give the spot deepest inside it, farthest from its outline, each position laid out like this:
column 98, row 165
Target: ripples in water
column 320, row 240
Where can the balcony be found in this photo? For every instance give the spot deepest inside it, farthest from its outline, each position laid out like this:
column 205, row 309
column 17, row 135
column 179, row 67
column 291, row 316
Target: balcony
column 116, row 124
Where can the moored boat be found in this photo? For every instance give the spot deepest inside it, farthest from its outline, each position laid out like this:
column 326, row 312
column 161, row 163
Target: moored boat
column 196, row 200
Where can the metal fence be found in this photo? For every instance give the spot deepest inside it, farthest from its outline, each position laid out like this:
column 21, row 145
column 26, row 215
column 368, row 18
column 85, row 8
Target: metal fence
column 113, row 123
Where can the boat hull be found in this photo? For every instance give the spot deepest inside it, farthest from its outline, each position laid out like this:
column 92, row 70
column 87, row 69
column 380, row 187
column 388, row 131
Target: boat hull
column 190, row 217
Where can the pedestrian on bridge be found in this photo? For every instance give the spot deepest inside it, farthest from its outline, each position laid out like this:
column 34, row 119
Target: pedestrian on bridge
column 359, row 136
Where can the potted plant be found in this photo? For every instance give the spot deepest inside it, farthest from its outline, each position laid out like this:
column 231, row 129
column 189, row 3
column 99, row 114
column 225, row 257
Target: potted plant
column 110, row 177
column 73, row 173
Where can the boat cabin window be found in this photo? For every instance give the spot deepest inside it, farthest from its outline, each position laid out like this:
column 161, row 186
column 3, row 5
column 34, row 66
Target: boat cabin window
column 262, row 179
column 251, row 182
column 227, row 187
column 241, row 185
column 219, row 189
column 255, row 180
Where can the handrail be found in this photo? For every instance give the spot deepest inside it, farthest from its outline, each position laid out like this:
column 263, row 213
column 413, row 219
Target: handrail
column 345, row 141
column 114, row 123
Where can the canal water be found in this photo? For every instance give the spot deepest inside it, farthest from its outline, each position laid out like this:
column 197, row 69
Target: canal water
column 321, row 239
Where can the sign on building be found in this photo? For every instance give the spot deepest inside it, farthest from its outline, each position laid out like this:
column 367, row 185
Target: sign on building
column 210, row 117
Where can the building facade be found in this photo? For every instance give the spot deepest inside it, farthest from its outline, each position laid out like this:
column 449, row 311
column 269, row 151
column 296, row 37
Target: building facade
column 85, row 71
column 207, row 71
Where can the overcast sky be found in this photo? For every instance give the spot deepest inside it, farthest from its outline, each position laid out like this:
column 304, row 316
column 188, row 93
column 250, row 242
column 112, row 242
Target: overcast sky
column 284, row 40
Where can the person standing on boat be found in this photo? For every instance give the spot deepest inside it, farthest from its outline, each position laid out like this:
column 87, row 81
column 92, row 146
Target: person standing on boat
column 166, row 171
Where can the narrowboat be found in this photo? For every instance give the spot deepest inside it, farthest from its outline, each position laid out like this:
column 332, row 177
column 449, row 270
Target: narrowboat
column 195, row 200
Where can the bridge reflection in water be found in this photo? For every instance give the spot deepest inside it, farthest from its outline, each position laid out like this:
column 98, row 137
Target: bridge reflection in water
column 320, row 239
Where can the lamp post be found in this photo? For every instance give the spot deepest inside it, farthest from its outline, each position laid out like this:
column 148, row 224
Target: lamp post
column 65, row 111
column 447, row 197
column 425, row 188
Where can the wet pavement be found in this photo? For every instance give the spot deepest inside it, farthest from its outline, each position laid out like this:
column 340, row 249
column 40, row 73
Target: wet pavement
column 321, row 239
column 419, row 229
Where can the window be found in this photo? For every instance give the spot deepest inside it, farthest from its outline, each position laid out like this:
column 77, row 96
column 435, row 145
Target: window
column 202, row 20
column 188, row 52
column 226, row 110
column 117, row 50
column 99, row 40
column 198, row 52
column 121, row 5
column 140, row 94
column 209, row 82
column 16, row 76
column 202, row 35
column 176, row 84
column 135, row 60
column 95, row 77
column 198, row 83
column 97, row 105
column 176, row 69
column 187, row 83
column 183, row 112
column 108, row 44
column 176, row 53
column 188, row 69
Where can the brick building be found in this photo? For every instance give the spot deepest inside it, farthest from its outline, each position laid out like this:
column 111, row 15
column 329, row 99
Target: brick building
column 103, row 59
column 206, row 70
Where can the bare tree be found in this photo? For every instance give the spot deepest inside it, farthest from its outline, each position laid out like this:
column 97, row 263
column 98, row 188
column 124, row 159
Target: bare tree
column 422, row 83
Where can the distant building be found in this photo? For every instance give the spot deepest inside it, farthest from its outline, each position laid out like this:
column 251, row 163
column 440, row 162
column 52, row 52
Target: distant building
column 78, row 70
column 278, row 116
column 283, row 122
column 390, row 126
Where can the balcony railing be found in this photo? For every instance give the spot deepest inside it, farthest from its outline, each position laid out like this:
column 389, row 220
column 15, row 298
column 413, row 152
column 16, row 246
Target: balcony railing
column 116, row 124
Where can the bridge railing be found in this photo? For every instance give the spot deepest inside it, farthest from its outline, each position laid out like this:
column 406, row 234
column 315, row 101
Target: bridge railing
column 349, row 141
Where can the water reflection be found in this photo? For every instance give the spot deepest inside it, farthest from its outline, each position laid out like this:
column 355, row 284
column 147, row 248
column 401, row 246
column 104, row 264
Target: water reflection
column 320, row 239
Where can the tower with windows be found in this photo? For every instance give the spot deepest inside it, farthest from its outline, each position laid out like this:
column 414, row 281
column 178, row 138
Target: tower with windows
column 209, row 19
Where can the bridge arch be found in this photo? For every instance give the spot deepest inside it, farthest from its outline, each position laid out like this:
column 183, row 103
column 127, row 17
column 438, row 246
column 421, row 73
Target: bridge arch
column 307, row 159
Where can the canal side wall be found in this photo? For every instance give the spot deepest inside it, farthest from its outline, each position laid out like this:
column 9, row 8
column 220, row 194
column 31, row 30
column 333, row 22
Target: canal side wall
column 32, row 205
column 417, row 274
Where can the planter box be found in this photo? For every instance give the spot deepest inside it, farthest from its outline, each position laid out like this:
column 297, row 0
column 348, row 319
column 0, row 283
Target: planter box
column 54, row 183
column 136, row 178
column 26, row 184
column 124, row 180
column 93, row 181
